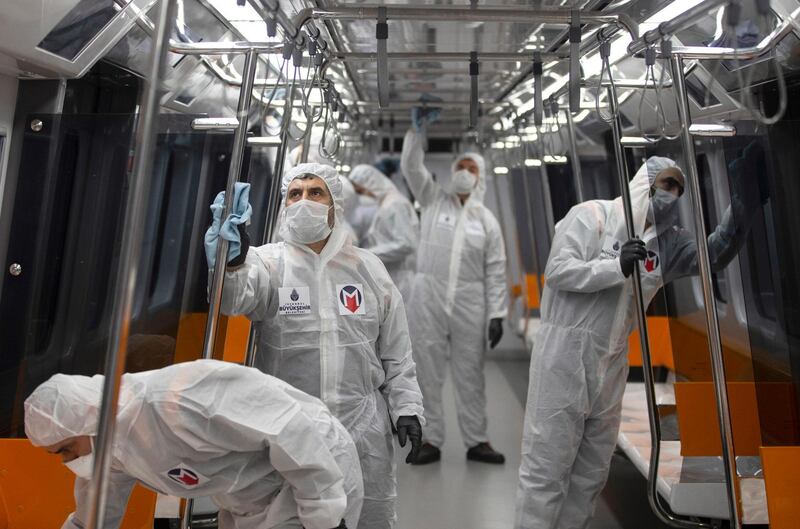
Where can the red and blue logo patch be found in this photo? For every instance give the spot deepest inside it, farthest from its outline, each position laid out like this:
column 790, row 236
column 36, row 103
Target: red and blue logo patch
column 185, row 476
column 651, row 262
column 351, row 299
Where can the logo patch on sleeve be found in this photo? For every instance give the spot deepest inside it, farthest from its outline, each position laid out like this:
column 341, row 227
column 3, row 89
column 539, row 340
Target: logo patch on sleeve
column 651, row 262
column 351, row 299
column 186, row 477
column 293, row 301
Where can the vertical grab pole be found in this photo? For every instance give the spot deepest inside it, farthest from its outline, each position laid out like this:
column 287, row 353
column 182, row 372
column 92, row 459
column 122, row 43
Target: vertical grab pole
column 128, row 266
column 382, row 36
column 548, row 198
column 474, row 70
column 273, row 201
column 573, row 154
column 712, row 321
column 644, row 339
column 234, row 170
column 529, row 206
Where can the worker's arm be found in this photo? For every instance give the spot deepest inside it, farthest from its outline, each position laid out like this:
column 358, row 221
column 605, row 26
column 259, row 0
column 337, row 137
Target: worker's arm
column 398, row 235
column 400, row 386
column 412, row 165
column 575, row 262
column 119, row 490
column 495, row 266
column 246, row 289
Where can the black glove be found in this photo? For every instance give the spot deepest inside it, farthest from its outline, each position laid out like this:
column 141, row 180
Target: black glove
column 408, row 427
column 244, row 237
column 632, row 251
column 495, row 331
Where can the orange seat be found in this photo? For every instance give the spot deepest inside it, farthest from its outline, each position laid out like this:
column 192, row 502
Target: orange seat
column 36, row 491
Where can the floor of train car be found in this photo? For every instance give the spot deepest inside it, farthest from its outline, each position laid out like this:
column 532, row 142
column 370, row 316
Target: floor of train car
column 457, row 494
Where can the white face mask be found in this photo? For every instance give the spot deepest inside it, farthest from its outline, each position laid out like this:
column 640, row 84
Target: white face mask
column 305, row 222
column 84, row 465
column 463, row 182
column 663, row 202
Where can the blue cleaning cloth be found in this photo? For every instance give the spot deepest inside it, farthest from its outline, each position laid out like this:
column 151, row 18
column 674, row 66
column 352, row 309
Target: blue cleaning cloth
column 240, row 214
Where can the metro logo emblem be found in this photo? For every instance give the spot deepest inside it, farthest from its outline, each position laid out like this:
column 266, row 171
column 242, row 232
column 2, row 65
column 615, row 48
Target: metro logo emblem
column 652, row 261
column 351, row 299
column 186, row 477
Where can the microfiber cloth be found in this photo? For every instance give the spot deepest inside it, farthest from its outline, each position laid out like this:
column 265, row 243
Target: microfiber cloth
column 240, row 214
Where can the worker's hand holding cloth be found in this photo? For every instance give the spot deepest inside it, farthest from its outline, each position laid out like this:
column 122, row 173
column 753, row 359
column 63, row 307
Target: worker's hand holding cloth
column 233, row 229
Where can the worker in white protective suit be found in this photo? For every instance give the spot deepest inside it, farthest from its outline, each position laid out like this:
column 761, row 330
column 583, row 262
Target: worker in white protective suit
column 331, row 322
column 579, row 363
column 394, row 233
column 459, row 292
column 267, row 454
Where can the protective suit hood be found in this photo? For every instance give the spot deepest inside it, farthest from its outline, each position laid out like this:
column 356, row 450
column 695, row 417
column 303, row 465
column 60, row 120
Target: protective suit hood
column 65, row 406
column 480, row 190
column 373, row 180
column 340, row 233
column 654, row 165
column 640, row 190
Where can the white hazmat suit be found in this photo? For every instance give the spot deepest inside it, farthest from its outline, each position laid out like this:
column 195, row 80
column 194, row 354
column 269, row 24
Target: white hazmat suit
column 460, row 285
column 394, row 233
column 267, row 454
column 579, row 362
column 333, row 325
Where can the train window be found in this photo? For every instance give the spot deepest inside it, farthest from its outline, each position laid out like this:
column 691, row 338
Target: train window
column 80, row 25
column 172, row 226
column 712, row 218
column 699, row 92
column 749, row 158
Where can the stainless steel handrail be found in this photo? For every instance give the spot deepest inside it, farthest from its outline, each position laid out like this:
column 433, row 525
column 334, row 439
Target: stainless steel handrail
column 669, row 28
column 271, row 213
column 128, row 266
column 574, row 158
column 767, row 44
column 234, row 171
column 644, row 337
column 465, row 14
column 449, row 56
column 709, row 301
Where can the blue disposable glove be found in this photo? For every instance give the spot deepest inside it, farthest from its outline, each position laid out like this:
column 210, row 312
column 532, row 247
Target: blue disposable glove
column 421, row 117
column 230, row 229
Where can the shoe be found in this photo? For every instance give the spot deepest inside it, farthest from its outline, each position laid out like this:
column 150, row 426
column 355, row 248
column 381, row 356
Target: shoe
column 484, row 453
column 427, row 454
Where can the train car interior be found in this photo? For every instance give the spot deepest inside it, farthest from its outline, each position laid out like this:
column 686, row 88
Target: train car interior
column 121, row 120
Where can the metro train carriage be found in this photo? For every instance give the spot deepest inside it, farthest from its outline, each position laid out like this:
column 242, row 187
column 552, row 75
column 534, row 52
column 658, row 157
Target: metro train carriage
column 121, row 121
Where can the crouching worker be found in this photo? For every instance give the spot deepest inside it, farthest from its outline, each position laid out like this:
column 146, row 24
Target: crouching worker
column 269, row 455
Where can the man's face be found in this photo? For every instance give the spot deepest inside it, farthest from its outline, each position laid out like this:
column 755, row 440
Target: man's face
column 72, row 448
column 312, row 188
column 671, row 180
column 468, row 164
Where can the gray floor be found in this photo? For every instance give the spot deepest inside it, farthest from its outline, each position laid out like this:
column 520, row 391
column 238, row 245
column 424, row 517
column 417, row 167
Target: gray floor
column 456, row 494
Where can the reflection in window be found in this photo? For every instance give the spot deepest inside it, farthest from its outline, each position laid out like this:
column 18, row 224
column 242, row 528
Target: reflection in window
column 712, row 218
column 80, row 25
